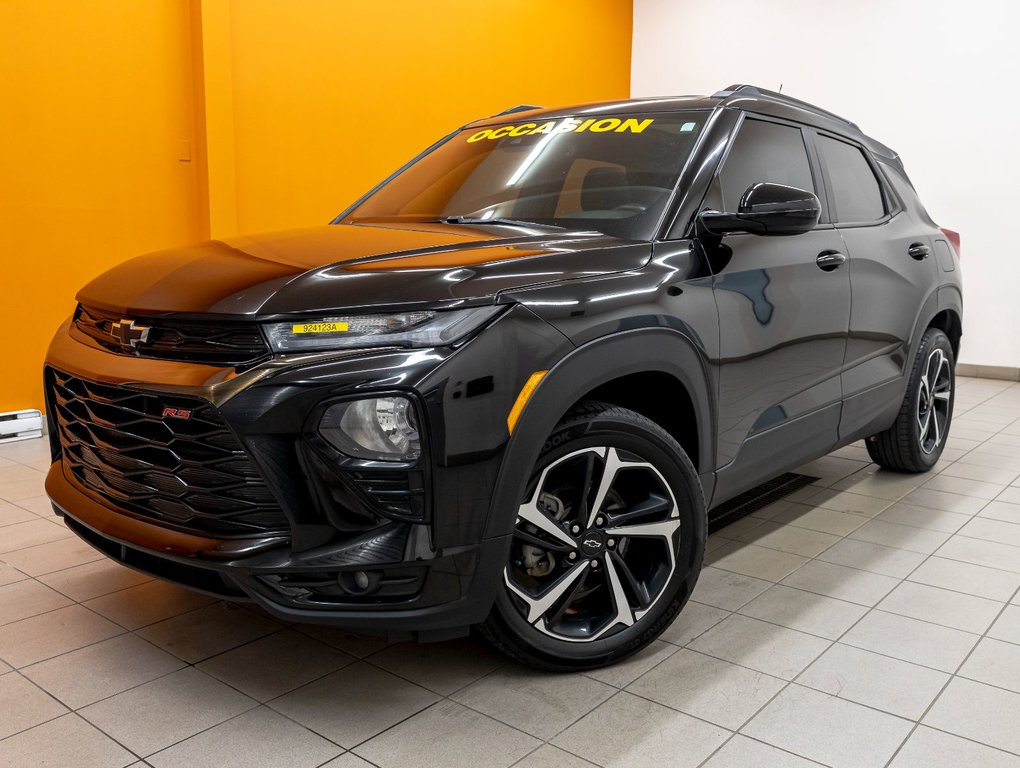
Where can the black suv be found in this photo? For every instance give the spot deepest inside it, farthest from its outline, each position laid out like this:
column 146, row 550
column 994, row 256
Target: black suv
column 507, row 387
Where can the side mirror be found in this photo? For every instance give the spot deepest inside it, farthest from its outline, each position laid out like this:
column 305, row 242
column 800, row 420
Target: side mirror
column 767, row 209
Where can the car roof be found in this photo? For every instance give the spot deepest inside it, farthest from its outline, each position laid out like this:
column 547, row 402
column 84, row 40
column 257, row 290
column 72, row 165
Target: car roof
column 742, row 97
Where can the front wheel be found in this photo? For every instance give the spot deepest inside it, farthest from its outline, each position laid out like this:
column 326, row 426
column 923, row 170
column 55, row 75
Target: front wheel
column 607, row 544
column 915, row 441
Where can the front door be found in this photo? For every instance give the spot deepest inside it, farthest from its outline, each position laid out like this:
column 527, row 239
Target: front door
column 784, row 313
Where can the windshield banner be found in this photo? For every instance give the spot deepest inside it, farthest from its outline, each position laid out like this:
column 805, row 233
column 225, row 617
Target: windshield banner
column 570, row 125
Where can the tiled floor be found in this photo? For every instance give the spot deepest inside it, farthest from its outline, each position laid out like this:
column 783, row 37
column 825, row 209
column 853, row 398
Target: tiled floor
column 872, row 619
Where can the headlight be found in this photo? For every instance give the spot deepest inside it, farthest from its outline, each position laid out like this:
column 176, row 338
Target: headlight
column 424, row 328
column 378, row 428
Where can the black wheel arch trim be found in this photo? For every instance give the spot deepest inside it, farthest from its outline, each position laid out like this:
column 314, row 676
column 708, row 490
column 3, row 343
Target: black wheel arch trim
column 942, row 298
column 657, row 350
column 951, row 300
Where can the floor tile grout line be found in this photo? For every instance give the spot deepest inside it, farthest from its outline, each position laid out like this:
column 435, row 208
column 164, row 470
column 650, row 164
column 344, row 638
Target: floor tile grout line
column 576, row 720
column 433, row 704
column 46, row 612
column 520, row 762
column 507, row 664
column 110, row 737
column 643, row 698
column 900, row 580
column 849, row 537
column 919, row 724
column 186, row 664
column 67, row 536
column 793, row 681
column 125, row 690
column 365, row 659
column 258, row 705
column 67, row 710
column 134, row 630
column 764, row 743
column 874, row 607
column 103, row 558
column 79, row 648
column 349, row 752
column 950, row 589
column 953, row 676
column 868, row 612
column 792, row 524
column 673, row 652
column 75, row 714
column 985, row 682
column 935, row 554
column 616, row 690
column 787, row 684
column 832, row 643
column 209, row 728
column 499, row 667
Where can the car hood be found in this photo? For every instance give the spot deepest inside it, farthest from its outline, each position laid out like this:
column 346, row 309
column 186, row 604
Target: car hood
column 356, row 267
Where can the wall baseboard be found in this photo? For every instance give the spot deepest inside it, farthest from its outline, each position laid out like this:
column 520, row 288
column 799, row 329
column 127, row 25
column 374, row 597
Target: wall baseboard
column 1001, row 372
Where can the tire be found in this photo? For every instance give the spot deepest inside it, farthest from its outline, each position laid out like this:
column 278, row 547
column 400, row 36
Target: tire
column 915, row 441
column 599, row 568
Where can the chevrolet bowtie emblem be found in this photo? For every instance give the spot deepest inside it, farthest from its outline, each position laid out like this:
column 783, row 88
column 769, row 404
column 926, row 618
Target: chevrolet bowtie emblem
column 129, row 334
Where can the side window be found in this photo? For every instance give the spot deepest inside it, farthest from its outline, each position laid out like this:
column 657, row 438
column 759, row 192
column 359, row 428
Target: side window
column 764, row 151
column 856, row 192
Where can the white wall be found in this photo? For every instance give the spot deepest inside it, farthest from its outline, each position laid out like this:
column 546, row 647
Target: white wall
column 938, row 81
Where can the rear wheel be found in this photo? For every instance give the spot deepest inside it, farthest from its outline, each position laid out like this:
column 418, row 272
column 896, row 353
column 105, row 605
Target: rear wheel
column 607, row 544
column 915, row 441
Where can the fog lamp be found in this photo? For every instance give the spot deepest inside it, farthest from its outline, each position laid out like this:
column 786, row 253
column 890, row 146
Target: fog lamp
column 378, row 428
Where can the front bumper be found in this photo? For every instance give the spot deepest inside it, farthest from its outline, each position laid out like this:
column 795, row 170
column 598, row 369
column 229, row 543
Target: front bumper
column 454, row 588
column 437, row 574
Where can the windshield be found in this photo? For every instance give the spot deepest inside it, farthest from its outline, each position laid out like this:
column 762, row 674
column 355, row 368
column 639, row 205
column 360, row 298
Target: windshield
column 609, row 174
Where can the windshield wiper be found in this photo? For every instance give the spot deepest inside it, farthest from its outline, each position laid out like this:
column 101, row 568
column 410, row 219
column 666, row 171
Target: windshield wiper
column 493, row 220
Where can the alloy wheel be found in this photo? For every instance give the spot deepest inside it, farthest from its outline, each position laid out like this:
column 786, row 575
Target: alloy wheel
column 936, row 390
column 594, row 545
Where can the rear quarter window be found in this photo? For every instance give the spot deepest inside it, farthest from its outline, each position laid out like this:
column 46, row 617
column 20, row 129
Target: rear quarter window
column 897, row 179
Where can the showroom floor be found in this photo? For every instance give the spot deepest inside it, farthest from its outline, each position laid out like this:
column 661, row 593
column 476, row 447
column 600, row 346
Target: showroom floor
column 871, row 619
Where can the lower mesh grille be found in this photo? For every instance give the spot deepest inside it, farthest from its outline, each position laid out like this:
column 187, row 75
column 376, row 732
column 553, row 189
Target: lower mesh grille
column 189, row 472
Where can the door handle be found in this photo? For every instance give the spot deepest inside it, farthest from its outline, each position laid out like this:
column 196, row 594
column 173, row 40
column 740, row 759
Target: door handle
column 830, row 260
column 918, row 251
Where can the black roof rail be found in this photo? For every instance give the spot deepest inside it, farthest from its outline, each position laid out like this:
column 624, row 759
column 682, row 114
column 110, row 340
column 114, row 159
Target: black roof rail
column 518, row 108
column 753, row 90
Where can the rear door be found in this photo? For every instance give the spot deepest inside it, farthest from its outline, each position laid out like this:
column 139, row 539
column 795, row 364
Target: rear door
column 892, row 270
column 783, row 318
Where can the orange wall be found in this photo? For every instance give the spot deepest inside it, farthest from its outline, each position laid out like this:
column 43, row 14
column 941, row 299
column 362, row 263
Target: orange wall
column 290, row 111
column 95, row 99
column 329, row 97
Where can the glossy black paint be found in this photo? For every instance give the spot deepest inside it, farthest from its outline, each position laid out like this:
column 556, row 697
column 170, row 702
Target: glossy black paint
column 757, row 353
column 354, row 268
column 767, row 208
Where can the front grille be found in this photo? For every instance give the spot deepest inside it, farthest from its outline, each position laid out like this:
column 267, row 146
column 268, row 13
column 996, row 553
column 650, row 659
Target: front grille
column 192, row 473
column 193, row 341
